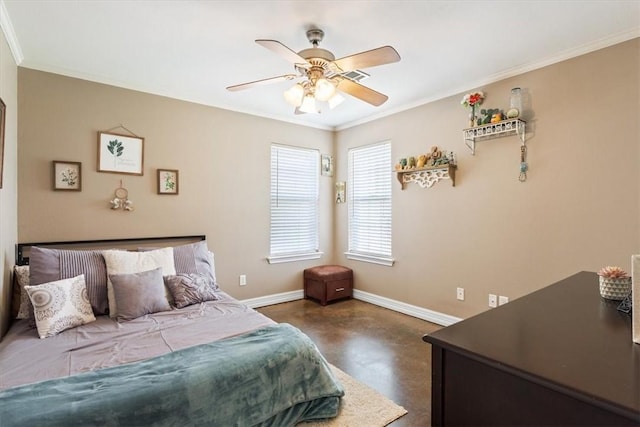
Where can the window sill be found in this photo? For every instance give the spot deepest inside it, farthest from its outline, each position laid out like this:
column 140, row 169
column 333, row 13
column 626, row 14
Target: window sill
column 277, row 259
column 374, row 259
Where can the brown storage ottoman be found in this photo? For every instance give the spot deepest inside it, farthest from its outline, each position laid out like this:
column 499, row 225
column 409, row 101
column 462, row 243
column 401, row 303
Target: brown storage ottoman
column 328, row 283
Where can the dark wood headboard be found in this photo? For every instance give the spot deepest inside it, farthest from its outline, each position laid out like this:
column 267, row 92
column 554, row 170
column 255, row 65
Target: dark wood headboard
column 22, row 249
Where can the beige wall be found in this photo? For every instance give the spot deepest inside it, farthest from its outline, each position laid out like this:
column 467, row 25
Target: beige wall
column 223, row 159
column 579, row 209
column 9, row 191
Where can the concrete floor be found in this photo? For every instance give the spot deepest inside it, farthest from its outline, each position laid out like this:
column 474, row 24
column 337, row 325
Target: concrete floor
column 377, row 346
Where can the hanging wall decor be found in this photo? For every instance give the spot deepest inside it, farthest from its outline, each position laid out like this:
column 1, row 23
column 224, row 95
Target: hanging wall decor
column 120, row 153
column 67, row 176
column 121, row 199
column 326, row 165
column 340, row 192
column 167, row 181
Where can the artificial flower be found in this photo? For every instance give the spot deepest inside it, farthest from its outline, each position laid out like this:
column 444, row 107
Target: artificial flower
column 472, row 99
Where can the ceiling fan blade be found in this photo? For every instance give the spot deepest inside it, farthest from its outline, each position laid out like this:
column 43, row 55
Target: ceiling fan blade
column 362, row 92
column 282, row 50
column 371, row 58
column 262, row 82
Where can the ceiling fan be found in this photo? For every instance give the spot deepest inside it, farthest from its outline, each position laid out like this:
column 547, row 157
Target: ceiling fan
column 323, row 76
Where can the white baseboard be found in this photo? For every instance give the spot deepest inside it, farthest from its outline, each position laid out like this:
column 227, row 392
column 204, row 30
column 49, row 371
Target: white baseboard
column 411, row 310
column 401, row 307
column 274, row 299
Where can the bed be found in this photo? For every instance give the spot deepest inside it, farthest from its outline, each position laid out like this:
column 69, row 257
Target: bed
column 214, row 361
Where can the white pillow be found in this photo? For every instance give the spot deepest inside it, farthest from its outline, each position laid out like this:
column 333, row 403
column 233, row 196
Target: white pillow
column 60, row 305
column 123, row 262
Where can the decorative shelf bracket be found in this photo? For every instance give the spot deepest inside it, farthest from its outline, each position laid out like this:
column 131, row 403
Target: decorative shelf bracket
column 426, row 177
column 493, row 130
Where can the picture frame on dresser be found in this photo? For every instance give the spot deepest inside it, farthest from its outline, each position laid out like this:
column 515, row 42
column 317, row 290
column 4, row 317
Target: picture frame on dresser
column 122, row 154
column 67, row 176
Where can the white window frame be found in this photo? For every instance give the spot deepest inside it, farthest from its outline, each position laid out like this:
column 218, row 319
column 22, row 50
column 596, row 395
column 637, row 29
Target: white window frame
column 366, row 174
column 294, row 169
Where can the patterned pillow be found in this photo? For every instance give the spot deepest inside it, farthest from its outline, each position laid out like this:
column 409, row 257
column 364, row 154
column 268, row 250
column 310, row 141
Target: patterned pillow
column 21, row 297
column 188, row 289
column 47, row 265
column 60, row 305
column 123, row 262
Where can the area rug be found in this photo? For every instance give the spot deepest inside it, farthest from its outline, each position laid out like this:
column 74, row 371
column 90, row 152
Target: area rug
column 361, row 406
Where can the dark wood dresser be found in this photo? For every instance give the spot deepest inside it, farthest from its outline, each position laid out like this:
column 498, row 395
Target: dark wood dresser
column 560, row 356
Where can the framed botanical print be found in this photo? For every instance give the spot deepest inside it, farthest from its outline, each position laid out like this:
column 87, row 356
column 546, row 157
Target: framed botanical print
column 326, row 165
column 67, row 176
column 120, row 153
column 167, row 181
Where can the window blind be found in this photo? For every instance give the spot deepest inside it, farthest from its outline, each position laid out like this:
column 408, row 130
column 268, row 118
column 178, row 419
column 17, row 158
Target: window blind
column 294, row 202
column 369, row 200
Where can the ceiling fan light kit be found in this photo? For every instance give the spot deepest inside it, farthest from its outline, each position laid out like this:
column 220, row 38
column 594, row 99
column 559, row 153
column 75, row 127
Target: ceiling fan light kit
column 323, row 76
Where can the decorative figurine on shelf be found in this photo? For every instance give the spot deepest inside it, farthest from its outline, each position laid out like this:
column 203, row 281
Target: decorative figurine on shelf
column 412, row 163
column 488, row 114
column 422, row 161
column 403, row 163
column 496, row 117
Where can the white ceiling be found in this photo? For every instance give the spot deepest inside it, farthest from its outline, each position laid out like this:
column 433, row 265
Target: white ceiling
column 192, row 50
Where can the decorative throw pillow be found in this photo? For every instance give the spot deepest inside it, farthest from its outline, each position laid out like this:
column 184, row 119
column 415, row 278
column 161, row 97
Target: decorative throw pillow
column 138, row 294
column 187, row 289
column 20, row 296
column 60, row 305
column 123, row 262
column 47, row 265
column 193, row 258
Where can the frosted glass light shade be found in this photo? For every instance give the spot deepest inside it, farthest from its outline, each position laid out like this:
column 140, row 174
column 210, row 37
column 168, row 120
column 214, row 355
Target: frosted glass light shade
column 335, row 100
column 294, row 95
column 324, row 90
column 308, row 105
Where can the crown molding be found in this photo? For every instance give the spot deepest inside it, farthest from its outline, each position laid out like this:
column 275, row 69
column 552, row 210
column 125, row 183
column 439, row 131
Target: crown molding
column 10, row 34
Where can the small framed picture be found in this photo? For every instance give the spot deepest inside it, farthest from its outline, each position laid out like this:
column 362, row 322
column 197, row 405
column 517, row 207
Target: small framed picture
column 167, row 181
column 67, row 176
column 120, row 153
column 340, row 193
column 326, row 165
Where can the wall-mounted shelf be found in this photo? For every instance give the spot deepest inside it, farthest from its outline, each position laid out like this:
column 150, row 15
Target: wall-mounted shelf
column 426, row 177
column 493, row 130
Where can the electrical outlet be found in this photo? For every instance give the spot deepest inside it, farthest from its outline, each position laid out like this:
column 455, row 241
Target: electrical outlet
column 460, row 294
column 243, row 280
column 502, row 300
column 493, row 300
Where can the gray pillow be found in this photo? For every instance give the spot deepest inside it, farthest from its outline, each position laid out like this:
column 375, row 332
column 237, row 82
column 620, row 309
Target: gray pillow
column 188, row 289
column 48, row 265
column 138, row 294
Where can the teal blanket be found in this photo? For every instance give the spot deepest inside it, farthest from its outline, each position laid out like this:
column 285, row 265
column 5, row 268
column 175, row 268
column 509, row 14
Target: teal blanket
column 273, row 376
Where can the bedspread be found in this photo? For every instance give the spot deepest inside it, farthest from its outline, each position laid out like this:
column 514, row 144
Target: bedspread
column 271, row 376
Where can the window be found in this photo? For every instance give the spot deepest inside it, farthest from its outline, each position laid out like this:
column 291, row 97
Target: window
column 294, row 204
column 369, row 200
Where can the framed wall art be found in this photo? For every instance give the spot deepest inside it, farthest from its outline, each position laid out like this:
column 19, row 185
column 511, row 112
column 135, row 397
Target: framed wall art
column 120, row 153
column 167, row 181
column 326, row 165
column 340, row 193
column 67, row 176
column 3, row 113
